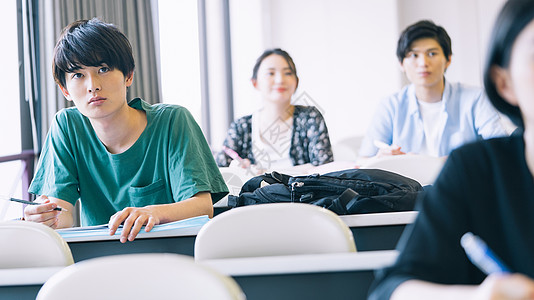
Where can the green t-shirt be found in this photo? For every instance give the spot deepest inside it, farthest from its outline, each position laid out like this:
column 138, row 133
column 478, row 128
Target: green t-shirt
column 171, row 161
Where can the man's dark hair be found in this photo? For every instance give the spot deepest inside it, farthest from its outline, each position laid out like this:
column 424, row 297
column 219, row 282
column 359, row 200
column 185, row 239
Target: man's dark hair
column 420, row 30
column 91, row 43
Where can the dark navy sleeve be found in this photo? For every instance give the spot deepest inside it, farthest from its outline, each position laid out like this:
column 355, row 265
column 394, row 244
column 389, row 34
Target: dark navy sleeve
column 430, row 249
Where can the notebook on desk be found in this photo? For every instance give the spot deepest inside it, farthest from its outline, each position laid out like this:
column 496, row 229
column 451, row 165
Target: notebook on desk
column 102, row 231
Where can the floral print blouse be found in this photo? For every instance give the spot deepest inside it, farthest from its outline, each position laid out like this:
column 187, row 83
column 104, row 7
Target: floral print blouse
column 310, row 142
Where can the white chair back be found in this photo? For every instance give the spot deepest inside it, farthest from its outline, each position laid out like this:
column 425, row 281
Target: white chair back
column 140, row 276
column 271, row 230
column 347, row 148
column 28, row 245
column 234, row 177
column 424, row 169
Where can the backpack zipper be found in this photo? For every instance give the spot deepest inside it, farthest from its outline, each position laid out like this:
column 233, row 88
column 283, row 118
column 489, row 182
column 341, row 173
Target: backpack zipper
column 296, row 184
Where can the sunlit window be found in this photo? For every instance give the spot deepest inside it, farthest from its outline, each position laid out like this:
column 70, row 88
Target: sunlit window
column 179, row 50
column 10, row 135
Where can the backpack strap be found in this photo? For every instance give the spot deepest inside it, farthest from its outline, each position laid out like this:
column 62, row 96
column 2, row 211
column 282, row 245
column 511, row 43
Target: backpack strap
column 348, row 198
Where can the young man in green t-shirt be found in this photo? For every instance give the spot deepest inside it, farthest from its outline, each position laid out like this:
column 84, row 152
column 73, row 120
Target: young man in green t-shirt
column 129, row 163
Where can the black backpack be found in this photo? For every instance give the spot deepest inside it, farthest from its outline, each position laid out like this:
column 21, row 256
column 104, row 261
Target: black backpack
column 352, row 191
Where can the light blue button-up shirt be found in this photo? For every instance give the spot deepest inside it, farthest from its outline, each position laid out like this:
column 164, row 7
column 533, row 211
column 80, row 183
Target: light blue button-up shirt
column 467, row 113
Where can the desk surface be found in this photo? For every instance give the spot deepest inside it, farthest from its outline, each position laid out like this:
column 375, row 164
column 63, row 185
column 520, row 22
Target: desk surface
column 380, row 231
column 371, row 232
column 26, row 276
column 347, row 275
column 380, row 219
column 305, row 263
column 319, row 276
column 193, row 231
column 24, row 283
column 94, row 248
column 187, row 227
column 362, row 220
column 179, row 239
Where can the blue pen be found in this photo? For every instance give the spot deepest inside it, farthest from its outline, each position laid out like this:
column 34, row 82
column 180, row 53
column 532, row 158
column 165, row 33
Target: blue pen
column 481, row 255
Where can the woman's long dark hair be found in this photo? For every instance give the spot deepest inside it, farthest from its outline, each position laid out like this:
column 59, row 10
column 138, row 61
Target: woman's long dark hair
column 513, row 18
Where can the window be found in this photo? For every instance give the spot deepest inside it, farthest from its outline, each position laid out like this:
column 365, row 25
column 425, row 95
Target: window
column 10, row 133
column 179, row 54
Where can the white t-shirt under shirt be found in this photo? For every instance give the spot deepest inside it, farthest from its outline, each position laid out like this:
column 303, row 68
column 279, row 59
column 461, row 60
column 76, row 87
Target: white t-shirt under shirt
column 468, row 113
column 271, row 145
column 433, row 118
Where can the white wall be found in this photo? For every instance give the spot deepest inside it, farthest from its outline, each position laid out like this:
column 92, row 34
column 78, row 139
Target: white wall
column 344, row 50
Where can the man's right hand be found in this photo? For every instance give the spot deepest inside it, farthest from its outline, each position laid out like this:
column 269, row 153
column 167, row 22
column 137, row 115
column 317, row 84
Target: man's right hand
column 45, row 213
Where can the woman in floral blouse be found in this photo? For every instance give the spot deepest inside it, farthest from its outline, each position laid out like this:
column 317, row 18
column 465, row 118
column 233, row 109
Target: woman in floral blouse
column 279, row 134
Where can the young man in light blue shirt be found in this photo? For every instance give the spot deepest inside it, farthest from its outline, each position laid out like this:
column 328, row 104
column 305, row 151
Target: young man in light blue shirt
column 431, row 116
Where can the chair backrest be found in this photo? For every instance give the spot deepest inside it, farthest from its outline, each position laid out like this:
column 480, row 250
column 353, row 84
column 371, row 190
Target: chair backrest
column 28, row 244
column 421, row 168
column 140, row 276
column 234, row 177
column 273, row 229
column 347, row 149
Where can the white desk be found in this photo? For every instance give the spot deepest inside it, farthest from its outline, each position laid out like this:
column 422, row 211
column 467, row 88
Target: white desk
column 306, row 263
column 180, row 240
column 191, row 231
column 371, row 232
column 380, row 219
column 24, row 283
column 26, row 276
column 422, row 168
column 156, row 243
column 361, row 220
column 319, row 276
column 379, row 231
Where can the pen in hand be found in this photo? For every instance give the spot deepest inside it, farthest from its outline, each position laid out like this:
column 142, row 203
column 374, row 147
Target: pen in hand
column 232, row 154
column 481, row 255
column 384, row 148
column 30, row 202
